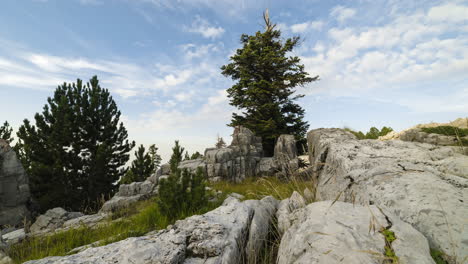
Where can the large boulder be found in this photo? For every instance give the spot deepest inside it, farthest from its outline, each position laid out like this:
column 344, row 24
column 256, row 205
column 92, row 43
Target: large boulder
column 285, row 208
column 328, row 233
column 425, row 185
column 129, row 194
column 219, row 236
column 285, row 154
column 52, row 219
column 14, row 188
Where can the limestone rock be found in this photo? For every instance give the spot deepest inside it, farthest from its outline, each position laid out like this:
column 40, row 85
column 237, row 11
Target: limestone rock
column 165, row 169
column 14, row 237
column 285, row 208
column 52, row 220
column 87, row 220
column 285, row 154
column 329, row 233
column 219, row 236
column 264, row 212
column 129, row 194
column 14, row 188
column 424, row 185
column 4, row 259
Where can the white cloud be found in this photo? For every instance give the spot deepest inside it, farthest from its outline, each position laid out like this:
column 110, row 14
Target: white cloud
column 342, row 13
column 449, row 12
column 303, row 27
column 396, row 60
column 203, row 27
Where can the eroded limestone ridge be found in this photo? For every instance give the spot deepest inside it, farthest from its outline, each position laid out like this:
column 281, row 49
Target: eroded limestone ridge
column 423, row 184
column 14, row 188
column 244, row 158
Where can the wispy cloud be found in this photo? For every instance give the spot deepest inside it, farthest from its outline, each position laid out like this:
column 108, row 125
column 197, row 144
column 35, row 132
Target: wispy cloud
column 342, row 13
column 203, row 27
column 306, row 26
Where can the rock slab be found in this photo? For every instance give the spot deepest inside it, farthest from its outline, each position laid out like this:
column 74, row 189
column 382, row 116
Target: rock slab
column 14, row 188
column 327, row 232
column 423, row 184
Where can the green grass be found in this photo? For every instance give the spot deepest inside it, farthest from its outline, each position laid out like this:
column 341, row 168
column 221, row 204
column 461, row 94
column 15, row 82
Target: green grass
column 389, row 252
column 438, row 256
column 145, row 216
column 446, row 130
column 135, row 221
column 257, row 188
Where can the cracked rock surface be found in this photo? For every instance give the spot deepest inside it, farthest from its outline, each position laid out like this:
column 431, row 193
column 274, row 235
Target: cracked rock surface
column 324, row 232
column 424, row 185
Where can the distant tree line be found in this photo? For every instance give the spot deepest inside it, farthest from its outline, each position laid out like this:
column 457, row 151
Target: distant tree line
column 373, row 133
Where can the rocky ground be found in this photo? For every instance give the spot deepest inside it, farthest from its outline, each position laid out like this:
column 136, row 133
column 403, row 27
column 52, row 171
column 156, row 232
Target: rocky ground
column 375, row 202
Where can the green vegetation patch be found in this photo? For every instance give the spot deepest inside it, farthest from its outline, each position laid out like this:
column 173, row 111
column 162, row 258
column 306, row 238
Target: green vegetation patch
column 257, row 188
column 446, row 130
column 438, row 256
column 373, row 133
column 135, row 221
column 389, row 252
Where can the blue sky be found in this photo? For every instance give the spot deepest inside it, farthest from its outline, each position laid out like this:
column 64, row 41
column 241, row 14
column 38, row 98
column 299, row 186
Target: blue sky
column 394, row 63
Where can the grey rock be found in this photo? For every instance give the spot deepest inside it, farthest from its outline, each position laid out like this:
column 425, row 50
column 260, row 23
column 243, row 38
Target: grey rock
column 285, row 154
column 14, row 188
column 85, row 220
column 164, row 170
column 52, row 219
column 193, row 165
column 285, row 208
column 219, row 236
column 129, row 194
column 417, row 135
column 14, row 237
column 424, row 185
column 308, row 195
column 262, row 222
column 328, row 233
column 4, row 259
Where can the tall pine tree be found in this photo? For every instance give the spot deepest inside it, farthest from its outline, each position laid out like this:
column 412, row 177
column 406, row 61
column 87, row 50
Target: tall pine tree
column 266, row 78
column 177, row 156
column 77, row 148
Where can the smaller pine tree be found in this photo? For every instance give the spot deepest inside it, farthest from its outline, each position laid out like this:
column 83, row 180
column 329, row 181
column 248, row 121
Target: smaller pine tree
column 177, row 156
column 142, row 166
column 155, row 157
column 186, row 156
column 196, row 155
column 182, row 193
column 5, row 132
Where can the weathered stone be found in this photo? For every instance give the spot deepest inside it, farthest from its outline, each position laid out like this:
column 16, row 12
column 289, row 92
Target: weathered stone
column 14, row 188
column 52, row 220
column 193, row 165
column 264, row 212
column 86, row 220
column 219, row 236
column 164, row 170
column 414, row 181
column 285, row 154
column 14, row 237
column 285, row 208
column 4, row 259
column 308, row 195
column 328, row 233
column 129, row 194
